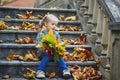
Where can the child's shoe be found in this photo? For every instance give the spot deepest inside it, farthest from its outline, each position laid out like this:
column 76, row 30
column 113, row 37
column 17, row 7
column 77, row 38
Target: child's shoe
column 40, row 74
column 66, row 73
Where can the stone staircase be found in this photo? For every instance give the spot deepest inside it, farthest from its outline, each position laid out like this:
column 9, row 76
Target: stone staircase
column 15, row 68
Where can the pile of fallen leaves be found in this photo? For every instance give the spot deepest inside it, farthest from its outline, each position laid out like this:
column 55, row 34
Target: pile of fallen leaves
column 85, row 73
column 79, row 54
column 29, row 56
column 30, row 73
column 3, row 25
column 70, row 18
column 29, row 26
column 29, row 15
column 81, row 40
column 24, row 26
column 69, row 28
column 25, row 40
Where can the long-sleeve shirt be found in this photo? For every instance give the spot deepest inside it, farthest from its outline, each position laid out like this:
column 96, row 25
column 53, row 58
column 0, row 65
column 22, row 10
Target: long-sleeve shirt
column 39, row 38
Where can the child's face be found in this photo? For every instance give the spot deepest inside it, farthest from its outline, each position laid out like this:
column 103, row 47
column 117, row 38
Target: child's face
column 51, row 24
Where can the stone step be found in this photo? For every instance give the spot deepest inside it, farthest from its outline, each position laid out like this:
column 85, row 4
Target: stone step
column 13, row 35
column 33, row 63
column 10, row 11
column 18, row 22
column 6, row 49
column 13, row 22
column 19, row 67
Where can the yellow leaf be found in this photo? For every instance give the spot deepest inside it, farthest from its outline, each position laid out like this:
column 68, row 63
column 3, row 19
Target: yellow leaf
column 50, row 33
column 60, row 49
column 57, row 42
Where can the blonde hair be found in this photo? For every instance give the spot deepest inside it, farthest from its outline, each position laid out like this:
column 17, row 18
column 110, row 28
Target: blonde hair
column 47, row 18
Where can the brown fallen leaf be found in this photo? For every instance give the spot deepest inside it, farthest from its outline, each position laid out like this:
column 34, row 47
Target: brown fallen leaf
column 51, row 75
column 70, row 18
column 6, row 77
column 1, row 41
column 29, row 73
column 7, row 17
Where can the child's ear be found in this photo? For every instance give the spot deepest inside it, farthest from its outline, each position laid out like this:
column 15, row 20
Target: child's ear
column 45, row 24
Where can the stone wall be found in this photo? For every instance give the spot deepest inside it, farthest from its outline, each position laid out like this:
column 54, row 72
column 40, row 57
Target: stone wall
column 101, row 20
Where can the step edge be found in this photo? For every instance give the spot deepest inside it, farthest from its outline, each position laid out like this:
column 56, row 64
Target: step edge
column 12, row 45
column 37, row 9
column 30, row 20
column 35, row 32
column 33, row 63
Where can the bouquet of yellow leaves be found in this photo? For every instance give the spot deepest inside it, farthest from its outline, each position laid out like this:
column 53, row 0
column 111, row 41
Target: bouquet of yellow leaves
column 49, row 41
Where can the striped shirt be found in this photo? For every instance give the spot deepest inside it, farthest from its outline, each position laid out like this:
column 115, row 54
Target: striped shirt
column 39, row 38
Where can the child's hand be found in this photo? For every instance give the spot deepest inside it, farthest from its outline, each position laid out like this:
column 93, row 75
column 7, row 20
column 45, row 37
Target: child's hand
column 48, row 50
column 37, row 45
column 40, row 47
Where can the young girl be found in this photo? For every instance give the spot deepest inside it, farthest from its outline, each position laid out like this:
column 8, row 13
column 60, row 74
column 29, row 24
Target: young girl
column 49, row 22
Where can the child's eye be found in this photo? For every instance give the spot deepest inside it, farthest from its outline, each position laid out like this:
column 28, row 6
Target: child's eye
column 54, row 24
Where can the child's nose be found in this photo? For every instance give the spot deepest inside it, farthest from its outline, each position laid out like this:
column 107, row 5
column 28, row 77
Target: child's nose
column 55, row 27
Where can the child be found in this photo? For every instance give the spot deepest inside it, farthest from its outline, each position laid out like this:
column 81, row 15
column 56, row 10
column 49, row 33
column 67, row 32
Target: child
column 49, row 22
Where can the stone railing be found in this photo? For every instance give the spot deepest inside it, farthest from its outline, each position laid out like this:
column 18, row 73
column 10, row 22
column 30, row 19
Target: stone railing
column 51, row 3
column 101, row 19
column 39, row 3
